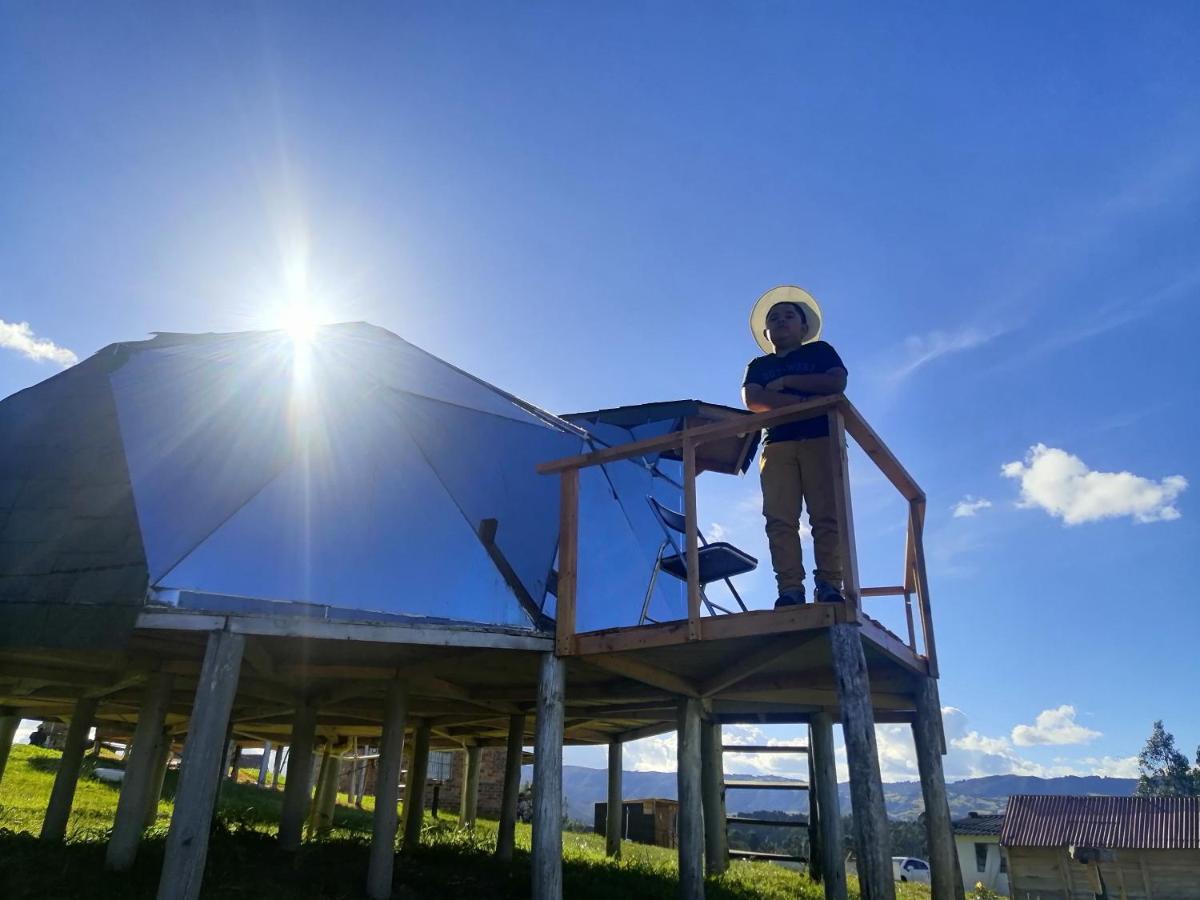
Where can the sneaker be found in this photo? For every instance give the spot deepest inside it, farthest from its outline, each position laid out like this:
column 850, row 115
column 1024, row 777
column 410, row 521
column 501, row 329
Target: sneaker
column 824, row 592
column 794, row 597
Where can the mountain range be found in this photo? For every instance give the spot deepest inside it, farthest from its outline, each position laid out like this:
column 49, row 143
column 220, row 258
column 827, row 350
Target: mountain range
column 584, row 787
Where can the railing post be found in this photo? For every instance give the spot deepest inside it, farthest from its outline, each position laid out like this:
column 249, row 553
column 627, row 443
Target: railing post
column 845, row 513
column 691, row 537
column 568, row 562
column 916, row 526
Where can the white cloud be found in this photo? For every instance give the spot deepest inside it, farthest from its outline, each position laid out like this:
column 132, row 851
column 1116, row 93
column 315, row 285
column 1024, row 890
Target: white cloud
column 1063, row 485
column 968, row 506
column 717, row 532
column 652, row 754
column 923, row 349
column 1112, row 766
column 1053, row 726
column 19, row 336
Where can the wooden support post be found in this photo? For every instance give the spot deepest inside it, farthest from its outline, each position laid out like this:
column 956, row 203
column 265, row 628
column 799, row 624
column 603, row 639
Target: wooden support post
column 829, row 817
column 845, row 513
column 387, row 793
column 8, row 731
column 691, row 538
column 616, row 809
column 130, row 820
column 547, row 780
column 58, row 810
column 568, row 562
column 691, row 804
column 815, row 870
column 506, row 834
column 299, row 776
column 327, row 792
column 946, row 878
column 278, row 769
column 862, row 755
column 319, row 781
column 916, row 526
column 470, row 795
column 716, row 835
column 187, row 841
column 157, row 779
column 414, row 796
column 232, row 754
column 264, row 764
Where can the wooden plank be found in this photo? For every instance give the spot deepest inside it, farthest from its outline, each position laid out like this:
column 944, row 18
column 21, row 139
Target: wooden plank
column 62, row 795
column 691, row 804
column 387, row 792
column 829, row 817
column 766, row 857
column 878, row 451
column 691, row 538
column 887, row 643
column 546, row 850
column 568, row 562
column 845, row 514
column 506, row 833
column 766, row 785
column 712, row 775
column 742, row 820
column 195, row 795
column 645, row 673
column 916, row 516
column 862, row 756
column 895, row 590
column 613, row 814
column 705, row 433
column 747, row 665
column 763, row 748
column 946, row 879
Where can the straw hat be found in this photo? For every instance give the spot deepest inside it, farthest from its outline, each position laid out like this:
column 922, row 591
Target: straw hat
column 787, row 293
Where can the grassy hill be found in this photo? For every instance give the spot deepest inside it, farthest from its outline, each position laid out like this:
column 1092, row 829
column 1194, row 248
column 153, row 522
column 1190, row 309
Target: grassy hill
column 244, row 860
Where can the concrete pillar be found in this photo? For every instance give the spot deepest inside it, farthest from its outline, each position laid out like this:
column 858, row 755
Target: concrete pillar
column 945, row 876
column 824, row 791
column 712, row 775
column 187, row 841
column 157, row 779
column 8, row 731
column 139, row 773
column 506, row 833
column 616, row 811
column 299, row 775
column 546, row 858
column 873, row 842
column 387, row 792
column 470, row 794
column 265, row 764
column 691, row 804
column 414, row 796
column 58, row 810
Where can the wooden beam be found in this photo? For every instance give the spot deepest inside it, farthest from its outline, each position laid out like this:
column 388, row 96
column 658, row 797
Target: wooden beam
column 896, row 590
column 845, row 514
column 636, row 734
column 879, row 453
column 298, row 784
column 752, row 662
column 645, row 673
column 414, row 793
column 506, row 833
column 916, row 518
column 568, row 562
column 829, row 815
column 62, row 795
column 546, row 853
column 691, row 804
column 947, row 883
column 8, row 730
column 387, row 793
column 469, row 802
column 615, row 810
column 712, row 776
column 691, row 538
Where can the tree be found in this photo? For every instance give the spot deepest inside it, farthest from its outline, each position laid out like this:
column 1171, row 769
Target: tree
column 1164, row 771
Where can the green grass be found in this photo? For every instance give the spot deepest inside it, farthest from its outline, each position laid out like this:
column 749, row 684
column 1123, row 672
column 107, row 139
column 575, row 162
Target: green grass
column 245, row 862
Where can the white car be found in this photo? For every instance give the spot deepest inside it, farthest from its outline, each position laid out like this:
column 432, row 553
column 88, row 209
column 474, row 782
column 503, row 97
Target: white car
column 906, row 868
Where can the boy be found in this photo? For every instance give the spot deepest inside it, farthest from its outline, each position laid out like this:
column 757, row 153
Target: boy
column 796, row 464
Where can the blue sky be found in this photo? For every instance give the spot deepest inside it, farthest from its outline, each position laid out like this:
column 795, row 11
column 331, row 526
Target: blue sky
column 998, row 207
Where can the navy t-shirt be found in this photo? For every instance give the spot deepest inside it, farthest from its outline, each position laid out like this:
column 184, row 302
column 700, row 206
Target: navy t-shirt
column 816, row 358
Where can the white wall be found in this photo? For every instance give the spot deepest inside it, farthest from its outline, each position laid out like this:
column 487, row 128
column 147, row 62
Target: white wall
column 991, row 877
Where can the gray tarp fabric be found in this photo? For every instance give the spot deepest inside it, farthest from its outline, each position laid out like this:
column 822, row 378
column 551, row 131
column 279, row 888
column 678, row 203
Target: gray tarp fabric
column 356, row 476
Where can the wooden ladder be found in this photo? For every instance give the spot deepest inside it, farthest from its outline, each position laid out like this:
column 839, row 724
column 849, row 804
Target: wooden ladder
column 765, row 786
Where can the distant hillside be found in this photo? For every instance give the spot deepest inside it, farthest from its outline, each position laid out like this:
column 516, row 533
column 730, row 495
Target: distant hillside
column 585, row 787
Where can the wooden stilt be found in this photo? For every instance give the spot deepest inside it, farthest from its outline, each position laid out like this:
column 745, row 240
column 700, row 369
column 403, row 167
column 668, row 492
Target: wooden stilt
column 8, row 731
column 506, row 833
column 161, row 759
column 829, row 816
column 414, row 795
column 874, row 857
column 321, row 780
column 547, row 780
column 387, row 792
column 58, row 810
column 945, row 876
column 716, row 836
column 232, row 755
column 616, row 812
column 187, row 841
column 691, row 805
column 299, row 774
column 264, row 764
column 328, row 792
column 814, row 819
column 470, row 795
column 278, row 770
column 140, row 771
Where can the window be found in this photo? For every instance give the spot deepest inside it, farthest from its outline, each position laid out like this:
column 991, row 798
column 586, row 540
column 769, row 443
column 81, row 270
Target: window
column 441, row 764
column 981, row 851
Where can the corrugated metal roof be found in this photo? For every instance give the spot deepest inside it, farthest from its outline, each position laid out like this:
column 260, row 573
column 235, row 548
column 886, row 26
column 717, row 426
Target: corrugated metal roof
column 1133, row 823
column 978, row 823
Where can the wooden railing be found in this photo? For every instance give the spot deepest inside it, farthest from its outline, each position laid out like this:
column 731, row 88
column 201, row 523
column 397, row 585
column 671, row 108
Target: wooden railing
column 844, row 420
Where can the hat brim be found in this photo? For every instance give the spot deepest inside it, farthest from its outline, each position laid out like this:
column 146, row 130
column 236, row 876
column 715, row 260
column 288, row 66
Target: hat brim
column 787, row 293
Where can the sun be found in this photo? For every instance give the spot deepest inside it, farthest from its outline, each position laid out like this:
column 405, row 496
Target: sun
column 301, row 322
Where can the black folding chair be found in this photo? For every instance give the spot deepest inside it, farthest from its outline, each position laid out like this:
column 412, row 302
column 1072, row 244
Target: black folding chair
column 719, row 561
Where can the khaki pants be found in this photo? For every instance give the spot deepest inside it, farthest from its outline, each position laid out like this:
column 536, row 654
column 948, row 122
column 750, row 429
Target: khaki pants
column 792, row 472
